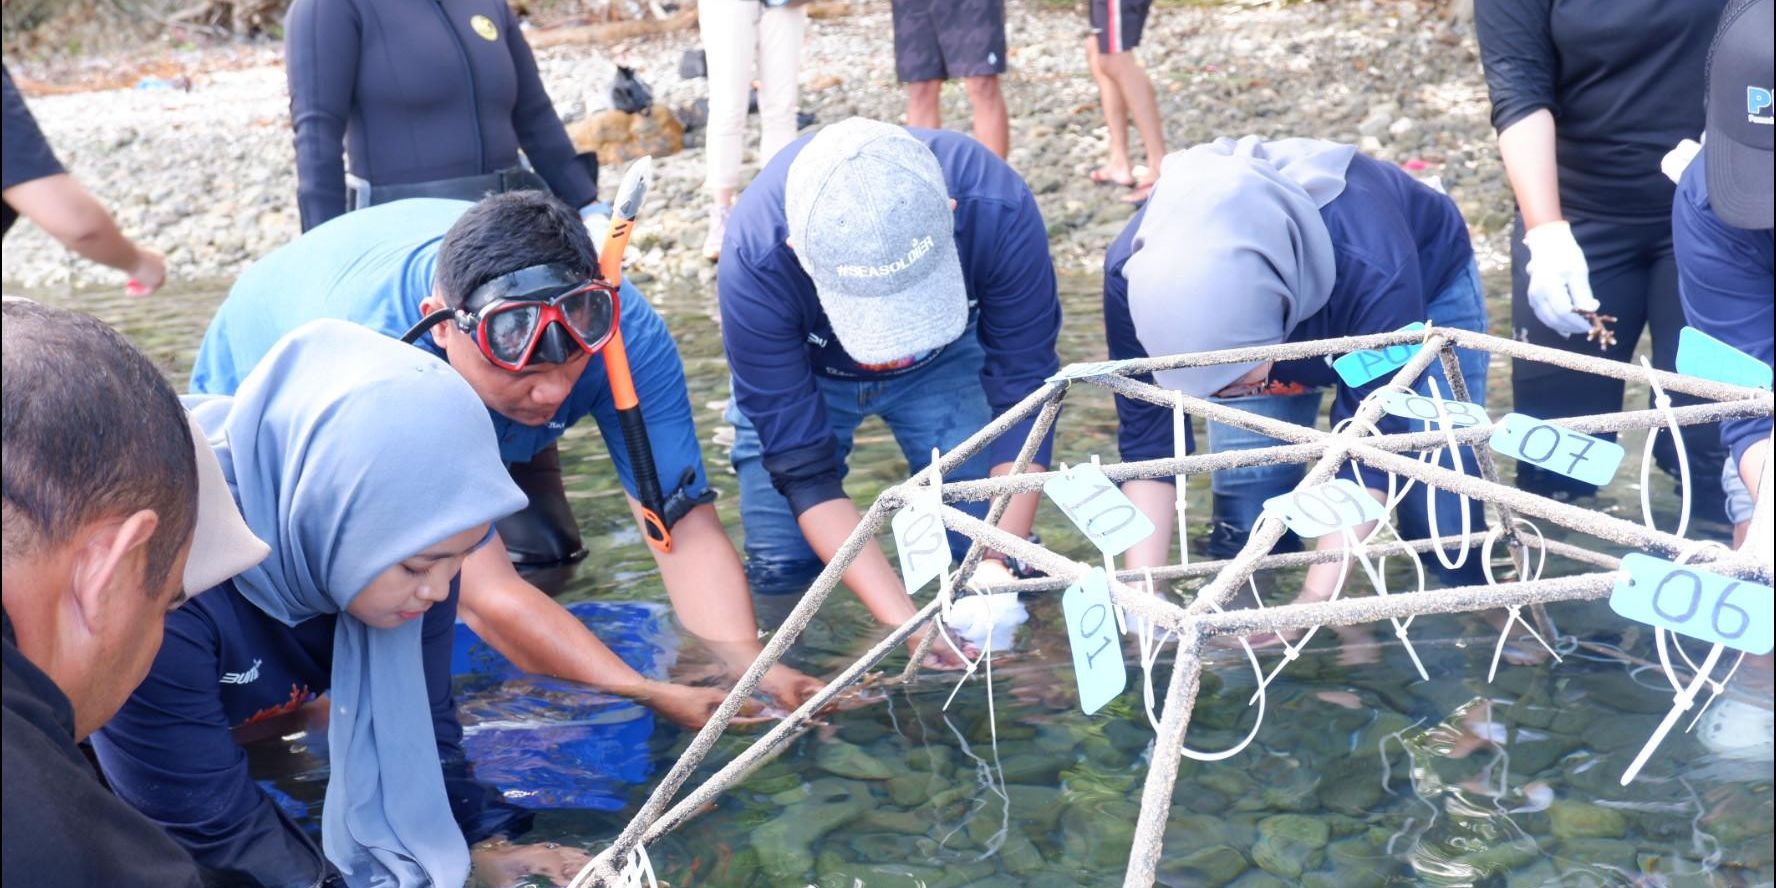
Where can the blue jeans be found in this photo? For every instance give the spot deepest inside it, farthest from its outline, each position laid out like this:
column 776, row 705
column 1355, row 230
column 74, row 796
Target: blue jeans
column 937, row 405
column 1240, row 493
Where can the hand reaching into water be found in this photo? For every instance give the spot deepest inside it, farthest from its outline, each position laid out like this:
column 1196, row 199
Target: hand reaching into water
column 788, row 687
column 690, row 707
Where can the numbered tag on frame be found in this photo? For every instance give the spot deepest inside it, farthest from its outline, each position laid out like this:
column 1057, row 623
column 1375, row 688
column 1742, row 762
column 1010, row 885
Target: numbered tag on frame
column 923, row 545
column 1702, row 355
column 1462, row 414
column 1697, row 603
column 1573, row 454
column 1097, row 647
column 1325, row 508
column 1359, row 368
column 1098, row 508
column 1086, row 370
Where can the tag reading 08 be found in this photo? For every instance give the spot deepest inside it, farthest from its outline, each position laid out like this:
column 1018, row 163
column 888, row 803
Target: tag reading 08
column 1573, row 454
column 923, row 545
column 1359, row 368
column 1714, row 608
column 1098, row 508
column 1097, row 648
column 1462, row 414
column 1324, row 508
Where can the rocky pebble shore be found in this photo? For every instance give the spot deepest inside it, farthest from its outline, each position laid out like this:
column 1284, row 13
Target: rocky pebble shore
column 207, row 175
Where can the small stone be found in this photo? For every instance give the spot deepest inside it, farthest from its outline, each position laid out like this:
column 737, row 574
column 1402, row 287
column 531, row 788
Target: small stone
column 1213, row 866
column 1289, row 844
column 1402, row 127
column 1571, row 819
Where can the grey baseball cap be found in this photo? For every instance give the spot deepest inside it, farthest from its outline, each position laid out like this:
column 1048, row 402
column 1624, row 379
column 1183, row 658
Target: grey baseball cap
column 870, row 221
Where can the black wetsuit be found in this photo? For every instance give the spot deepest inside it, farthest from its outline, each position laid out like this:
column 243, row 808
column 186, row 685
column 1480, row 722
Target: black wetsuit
column 418, row 91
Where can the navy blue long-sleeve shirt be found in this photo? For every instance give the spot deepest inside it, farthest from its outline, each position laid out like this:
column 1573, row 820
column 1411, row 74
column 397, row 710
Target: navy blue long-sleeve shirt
column 778, row 338
column 225, row 664
column 1726, row 277
column 1623, row 79
column 1398, row 243
column 417, row 90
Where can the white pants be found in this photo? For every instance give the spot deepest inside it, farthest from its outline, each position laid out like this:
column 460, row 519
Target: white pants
column 739, row 38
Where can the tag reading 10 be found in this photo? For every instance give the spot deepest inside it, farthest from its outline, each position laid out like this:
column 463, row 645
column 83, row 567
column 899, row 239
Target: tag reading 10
column 1462, row 414
column 1324, row 508
column 1573, row 454
column 923, row 545
column 1359, row 368
column 1098, row 508
column 1714, row 608
column 1097, row 648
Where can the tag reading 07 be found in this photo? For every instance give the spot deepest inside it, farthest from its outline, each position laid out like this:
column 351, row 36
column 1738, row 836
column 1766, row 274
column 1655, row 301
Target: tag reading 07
column 1098, row 508
column 1097, row 647
column 1697, row 603
column 1573, row 454
column 923, row 545
column 1324, row 508
column 1359, row 368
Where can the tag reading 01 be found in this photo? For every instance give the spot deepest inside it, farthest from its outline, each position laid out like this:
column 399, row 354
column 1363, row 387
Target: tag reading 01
column 1097, row 648
column 1325, row 508
column 1098, row 508
column 1359, row 368
column 1703, row 605
column 1086, row 370
column 1699, row 354
column 1462, row 414
column 1573, row 454
column 923, row 545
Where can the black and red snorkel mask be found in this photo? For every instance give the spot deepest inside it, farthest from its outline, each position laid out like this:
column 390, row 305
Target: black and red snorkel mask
column 544, row 313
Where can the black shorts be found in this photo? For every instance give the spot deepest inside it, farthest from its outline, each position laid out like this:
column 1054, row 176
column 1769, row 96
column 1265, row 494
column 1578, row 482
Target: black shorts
column 1118, row 23
column 941, row 39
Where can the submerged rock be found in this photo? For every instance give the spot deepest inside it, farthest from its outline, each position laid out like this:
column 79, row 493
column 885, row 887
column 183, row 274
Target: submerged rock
column 850, row 760
column 784, row 843
column 1290, row 844
column 1582, row 820
column 1213, row 867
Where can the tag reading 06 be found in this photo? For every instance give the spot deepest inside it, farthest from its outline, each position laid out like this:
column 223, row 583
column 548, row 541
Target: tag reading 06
column 1097, row 647
column 1697, row 603
column 1325, row 508
column 1359, row 368
column 1573, row 454
column 1098, row 508
column 923, row 545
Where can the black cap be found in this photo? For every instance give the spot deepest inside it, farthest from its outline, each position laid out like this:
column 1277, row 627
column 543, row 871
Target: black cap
column 1742, row 116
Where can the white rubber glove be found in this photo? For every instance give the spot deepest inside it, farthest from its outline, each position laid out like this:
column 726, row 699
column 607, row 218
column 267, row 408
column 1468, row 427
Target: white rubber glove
column 1559, row 279
column 1678, row 159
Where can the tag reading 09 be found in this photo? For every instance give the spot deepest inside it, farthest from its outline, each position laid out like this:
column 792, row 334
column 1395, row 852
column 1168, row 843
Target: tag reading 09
column 923, row 545
column 1097, row 648
column 1324, row 508
column 1098, row 508
column 1359, row 368
column 1573, row 454
column 1462, row 414
column 1697, row 603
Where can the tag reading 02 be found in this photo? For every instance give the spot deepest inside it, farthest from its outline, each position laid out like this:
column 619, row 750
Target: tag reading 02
column 1359, row 368
column 1708, row 606
column 1699, row 354
column 1325, row 508
column 923, row 545
column 1462, row 414
column 1098, row 508
column 1573, row 454
column 1097, row 648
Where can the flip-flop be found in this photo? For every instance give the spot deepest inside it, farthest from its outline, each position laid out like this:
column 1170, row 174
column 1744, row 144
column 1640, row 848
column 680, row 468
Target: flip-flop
column 1100, row 177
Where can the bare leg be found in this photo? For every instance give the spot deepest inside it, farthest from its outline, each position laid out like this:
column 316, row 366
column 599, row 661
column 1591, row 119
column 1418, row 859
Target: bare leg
column 922, row 105
column 1115, row 116
column 1143, row 106
column 992, row 123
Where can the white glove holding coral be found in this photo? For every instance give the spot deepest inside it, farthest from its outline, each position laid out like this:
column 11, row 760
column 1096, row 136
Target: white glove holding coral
column 1559, row 279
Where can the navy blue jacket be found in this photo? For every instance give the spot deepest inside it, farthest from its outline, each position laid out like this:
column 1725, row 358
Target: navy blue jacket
column 778, row 338
column 26, row 156
column 417, row 90
column 1726, row 277
column 60, row 826
column 1398, row 242
column 224, row 665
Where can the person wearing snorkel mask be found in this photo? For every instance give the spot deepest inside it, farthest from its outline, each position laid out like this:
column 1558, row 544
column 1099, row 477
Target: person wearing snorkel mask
column 1252, row 242
column 506, row 290
column 331, row 448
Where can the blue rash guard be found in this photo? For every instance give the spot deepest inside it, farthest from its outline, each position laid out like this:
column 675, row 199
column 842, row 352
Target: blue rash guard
column 1726, row 277
column 778, row 338
column 1398, row 242
column 417, row 90
column 374, row 267
column 224, row 664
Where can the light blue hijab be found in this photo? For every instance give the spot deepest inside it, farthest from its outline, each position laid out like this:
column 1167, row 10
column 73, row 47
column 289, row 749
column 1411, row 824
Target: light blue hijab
column 348, row 452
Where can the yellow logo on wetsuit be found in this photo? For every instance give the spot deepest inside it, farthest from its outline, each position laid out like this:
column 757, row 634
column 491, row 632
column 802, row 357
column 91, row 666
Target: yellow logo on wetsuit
column 484, row 26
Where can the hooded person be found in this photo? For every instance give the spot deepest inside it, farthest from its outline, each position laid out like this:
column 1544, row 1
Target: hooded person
column 370, row 469
column 1253, row 243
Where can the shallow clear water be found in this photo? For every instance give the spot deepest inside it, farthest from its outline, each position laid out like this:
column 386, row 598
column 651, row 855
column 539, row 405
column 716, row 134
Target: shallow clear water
column 1360, row 775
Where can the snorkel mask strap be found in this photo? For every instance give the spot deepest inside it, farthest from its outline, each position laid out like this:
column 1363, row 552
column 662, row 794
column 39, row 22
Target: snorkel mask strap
column 426, row 324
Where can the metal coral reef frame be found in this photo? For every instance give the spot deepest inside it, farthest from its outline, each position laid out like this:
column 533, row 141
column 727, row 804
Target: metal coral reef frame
column 1202, row 617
